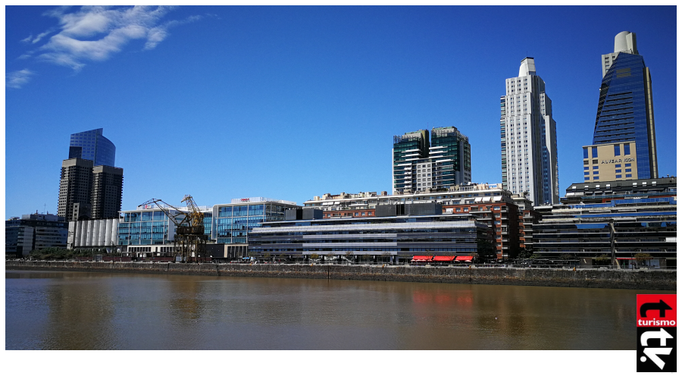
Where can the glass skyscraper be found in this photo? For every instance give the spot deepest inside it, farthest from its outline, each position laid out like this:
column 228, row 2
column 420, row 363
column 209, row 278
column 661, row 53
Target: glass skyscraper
column 421, row 165
column 528, row 138
column 93, row 146
column 625, row 111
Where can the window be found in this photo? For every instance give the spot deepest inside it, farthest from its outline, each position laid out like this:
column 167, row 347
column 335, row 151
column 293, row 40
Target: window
column 628, row 165
column 616, row 150
column 626, row 149
column 619, row 176
column 596, row 178
column 628, row 170
column 585, row 155
column 628, row 175
column 619, row 171
column 594, row 152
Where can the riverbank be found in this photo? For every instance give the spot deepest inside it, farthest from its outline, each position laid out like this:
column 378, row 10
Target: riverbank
column 587, row 278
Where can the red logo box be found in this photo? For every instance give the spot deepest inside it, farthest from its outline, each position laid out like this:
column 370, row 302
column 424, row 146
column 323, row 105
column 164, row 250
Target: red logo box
column 657, row 310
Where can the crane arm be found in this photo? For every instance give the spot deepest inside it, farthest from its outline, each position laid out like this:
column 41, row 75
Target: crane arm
column 165, row 208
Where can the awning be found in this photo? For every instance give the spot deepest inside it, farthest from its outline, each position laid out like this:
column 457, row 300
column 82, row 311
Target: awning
column 421, row 258
column 464, row 258
column 443, row 258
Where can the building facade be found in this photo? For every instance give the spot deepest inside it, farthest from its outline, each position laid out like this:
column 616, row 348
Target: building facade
column 420, row 164
column 528, row 138
column 93, row 234
column 392, row 237
column 93, row 146
column 609, row 162
column 33, row 232
column 90, row 187
column 625, row 113
column 148, row 232
column 510, row 218
column 618, row 222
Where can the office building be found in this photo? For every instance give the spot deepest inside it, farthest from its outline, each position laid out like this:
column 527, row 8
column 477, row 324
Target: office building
column 421, row 165
column 528, row 138
column 34, row 232
column 90, row 187
column 107, row 192
column 148, row 232
column 625, row 223
column 75, row 189
column 625, row 116
column 93, row 146
column 398, row 234
column 509, row 218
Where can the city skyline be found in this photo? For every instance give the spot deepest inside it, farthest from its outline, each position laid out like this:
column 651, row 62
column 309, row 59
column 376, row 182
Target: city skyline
column 294, row 102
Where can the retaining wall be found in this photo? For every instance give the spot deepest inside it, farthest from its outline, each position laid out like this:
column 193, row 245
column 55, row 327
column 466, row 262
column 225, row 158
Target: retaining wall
column 588, row 278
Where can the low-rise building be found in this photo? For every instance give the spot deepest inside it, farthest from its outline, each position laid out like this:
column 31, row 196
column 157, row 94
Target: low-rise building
column 618, row 222
column 33, row 232
column 396, row 235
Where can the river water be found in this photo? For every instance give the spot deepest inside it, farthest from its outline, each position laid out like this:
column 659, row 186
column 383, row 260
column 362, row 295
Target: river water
column 83, row 311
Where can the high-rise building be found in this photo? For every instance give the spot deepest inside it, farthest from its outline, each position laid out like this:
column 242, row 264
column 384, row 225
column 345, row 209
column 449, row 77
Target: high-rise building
column 75, row 189
column 624, row 129
column 90, row 187
column 93, row 146
column 421, row 165
column 528, row 138
column 107, row 187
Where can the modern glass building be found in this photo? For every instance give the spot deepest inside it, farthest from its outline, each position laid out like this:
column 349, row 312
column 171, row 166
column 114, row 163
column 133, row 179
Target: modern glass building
column 625, row 110
column 528, row 138
column 420, row 165
column 93, row 146
column 233, row 222
column 147, row 231
column 394, row 239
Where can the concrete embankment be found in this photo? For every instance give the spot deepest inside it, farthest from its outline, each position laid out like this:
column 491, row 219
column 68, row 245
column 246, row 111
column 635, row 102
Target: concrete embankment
column 588, row 278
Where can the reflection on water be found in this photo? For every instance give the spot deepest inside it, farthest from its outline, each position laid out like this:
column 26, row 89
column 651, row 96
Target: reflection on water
column 70, row 310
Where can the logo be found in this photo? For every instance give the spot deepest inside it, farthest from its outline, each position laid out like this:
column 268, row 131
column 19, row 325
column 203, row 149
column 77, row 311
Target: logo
column 656, row 333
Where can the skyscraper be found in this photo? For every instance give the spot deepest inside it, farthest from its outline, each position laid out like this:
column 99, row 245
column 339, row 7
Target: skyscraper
column 528, row 138
column 93, row 146
column 624, row 130
column 90, row 187
column 421, row 165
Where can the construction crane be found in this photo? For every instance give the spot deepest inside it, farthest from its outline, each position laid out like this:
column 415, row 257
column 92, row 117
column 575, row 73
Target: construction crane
column 189, row 237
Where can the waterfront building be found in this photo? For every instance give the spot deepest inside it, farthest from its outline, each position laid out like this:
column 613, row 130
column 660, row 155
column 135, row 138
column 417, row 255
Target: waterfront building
column 619, row 221
column 93, row 146
column 148, row 232
column 420, row 164
column 625, row 116
column 528, row 138
column 509, row 217
column 398, row 234
column 101, row 233
column 33, row 232
column 90, row 186
column 233, row 222
column 75, row 189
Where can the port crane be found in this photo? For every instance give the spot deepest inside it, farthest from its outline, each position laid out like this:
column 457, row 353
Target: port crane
column 189, row 238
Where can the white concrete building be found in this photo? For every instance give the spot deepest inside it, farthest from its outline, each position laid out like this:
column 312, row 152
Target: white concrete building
column 528, row 138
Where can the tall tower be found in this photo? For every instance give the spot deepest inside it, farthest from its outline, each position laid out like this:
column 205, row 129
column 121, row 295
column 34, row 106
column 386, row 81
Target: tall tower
column 625, row 115
column 75, row 188
column 90, row 187
column 528, row 138
column 93, row 146
column 420, row 165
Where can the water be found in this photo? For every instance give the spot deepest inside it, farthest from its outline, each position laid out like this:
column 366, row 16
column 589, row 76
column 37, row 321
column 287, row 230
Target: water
column 74, row 310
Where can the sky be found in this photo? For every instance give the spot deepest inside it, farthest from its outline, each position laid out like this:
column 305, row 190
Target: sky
column 292, row 102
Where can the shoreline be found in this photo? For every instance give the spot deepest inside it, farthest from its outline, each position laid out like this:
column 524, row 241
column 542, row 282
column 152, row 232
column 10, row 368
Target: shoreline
column 665, row 280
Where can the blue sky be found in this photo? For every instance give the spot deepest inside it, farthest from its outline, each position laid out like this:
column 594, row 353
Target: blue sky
column 294, row 102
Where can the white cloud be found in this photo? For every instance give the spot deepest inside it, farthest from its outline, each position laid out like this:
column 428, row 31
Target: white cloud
column 18, row 78
column 95, row 33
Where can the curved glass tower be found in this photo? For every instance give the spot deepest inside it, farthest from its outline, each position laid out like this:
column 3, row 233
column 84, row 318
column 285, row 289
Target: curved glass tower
column 625, row 110
column 93, row 146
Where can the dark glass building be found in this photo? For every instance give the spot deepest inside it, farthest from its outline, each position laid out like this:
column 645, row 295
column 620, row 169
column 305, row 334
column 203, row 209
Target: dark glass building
column 625, row 110
column 93, row 146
